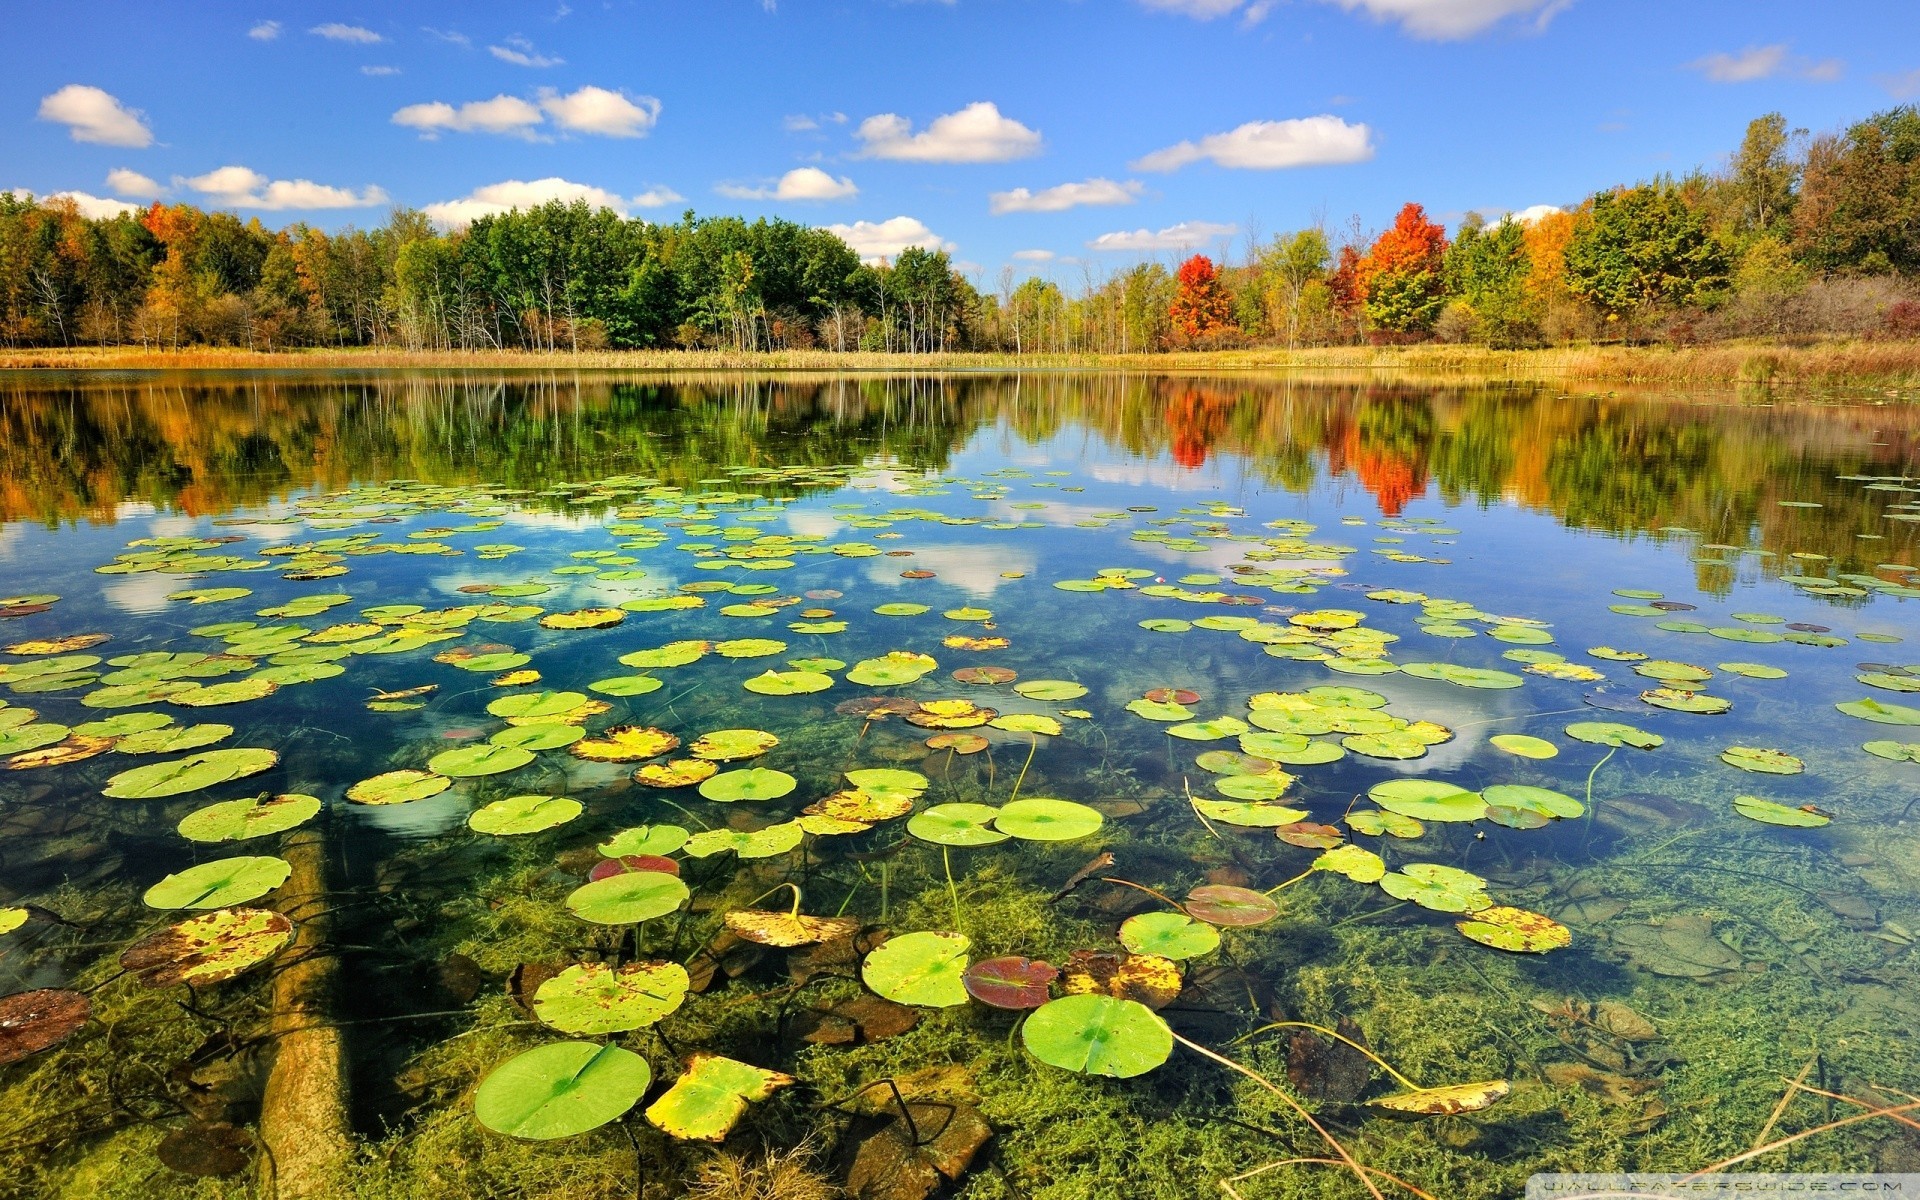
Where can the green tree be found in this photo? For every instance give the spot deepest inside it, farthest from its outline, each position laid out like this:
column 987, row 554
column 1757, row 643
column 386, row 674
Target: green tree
column 1641, row 248
column 1487, row 268
column 1859, row 209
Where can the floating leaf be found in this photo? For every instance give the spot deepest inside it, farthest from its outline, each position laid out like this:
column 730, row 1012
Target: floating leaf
column 1354, row 862
column 1428, row 800
column 1884, row 714
column 211, row 948
column 473, row 762
column 919, row 968
column 1052, row 690
column 1612, row 733
column 892, row 670
column 1375, row 823
column 957, row 824
column 398, row 787
column 1222, row 904
column 626, row 743
column 1516, row 929
column 538, row 737
column 788, row 929
column 597, row 999
column 237, row 820
column 1527, row 798
column 770, row 842
column 75, row 749
column 1762, row 761
column 644, row 840
column 628, row 898
column 219, row 883
column 1779, row 814
column 731, row 745
column 754, row 783
column 216, row 695
column 1469, row 677
column 1154, row 710
column 173, row 739
column 705, row 1103
column 586, row 618
column 561, row 1089
column 1687, row 702
column 1445, row 1101
column 1438, row 887
column 681, row 772
column 536, row 704
column 1012, row 983
column 1894, row 751
column 182, row 775
column 788, row 683
column 1169, row 935
column 1098, row 1035
column 626, row 685
column 519, row 815
column 1248, row 814
column 39, row 1020
column 1040, row 819
column 1524, row 745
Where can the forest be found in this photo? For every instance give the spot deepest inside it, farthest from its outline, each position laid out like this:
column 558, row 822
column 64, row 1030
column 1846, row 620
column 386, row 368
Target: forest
column 1795, row 238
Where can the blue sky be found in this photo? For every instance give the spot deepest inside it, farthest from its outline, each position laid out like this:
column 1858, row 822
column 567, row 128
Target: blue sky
column 1053, row 135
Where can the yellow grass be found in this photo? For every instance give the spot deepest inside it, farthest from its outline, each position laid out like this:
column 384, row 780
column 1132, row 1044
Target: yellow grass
column 1858, row 364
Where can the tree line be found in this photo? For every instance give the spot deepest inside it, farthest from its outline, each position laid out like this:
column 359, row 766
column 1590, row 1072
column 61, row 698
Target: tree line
column 1794, row 237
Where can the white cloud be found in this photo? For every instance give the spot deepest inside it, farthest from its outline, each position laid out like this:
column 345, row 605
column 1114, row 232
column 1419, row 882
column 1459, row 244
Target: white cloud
column 521, row 53
column 496, row 198
column 1445, row 20
column 1035, row 255
column 801, row 183
column 1533, row 213
column 597, row 110
column 379, row 71
column 1764, row 62
column 133, row 183
column 875, row 240
column 93, row 115
column 96, row 207
column 1270, row 146
column 977, row 133
column 1904, row 86
column 334, row 31
column 1204, row 10
column 1064, row 196
column 265, row 31
column 243, row 187
column 452, row 37
column 799, row 123
column 502, row 114
column 1185, row 236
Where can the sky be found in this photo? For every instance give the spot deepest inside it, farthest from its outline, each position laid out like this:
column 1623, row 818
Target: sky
column 1060, row 137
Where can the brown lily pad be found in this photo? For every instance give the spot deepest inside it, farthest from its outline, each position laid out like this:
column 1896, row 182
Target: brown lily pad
column 38, row 1020
column 628, row 863
column 1010, row 982
column 1326, row 1069
column 986, row 676
column 1173, row 696
column 206, row 1150
column 1219, row 904
column 1148, row 978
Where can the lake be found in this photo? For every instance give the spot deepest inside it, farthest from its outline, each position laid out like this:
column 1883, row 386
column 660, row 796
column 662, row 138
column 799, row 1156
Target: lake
column 1051, row 785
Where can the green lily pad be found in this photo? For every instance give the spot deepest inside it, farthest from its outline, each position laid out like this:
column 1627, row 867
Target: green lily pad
column 1687, row 702
column 1051, row 690
column 1039, row 819
column 519, row 815
column 895, row 669
column 1098, row 1035
column 888, row 779
column 788, row 683
column 705, row 1104
column 1612, row 733
column 1168, row 934
column 1428, row 800
column 732, row 745
column 210, row 948
column 902, row 610
column 1438, row 887
column 398, row 787
column 237, row 820
column 22, row 738
column 1396, row 744
column 919, row 968
column 753, row 783
column 176, row 777
column 654, row 840
column 120, row 724
column 1355, row 862
column 628, row 898
column 1375, row 823
column 1883, row 714
column 957, row 824
column 1267, row 785
column 1156, row 710
column 1469, row 677
column 770, row 842
column 561, row 1089
column 1526, row 798
column 172, row 739
column 596, row 999
column 1248, row 814
column 1771, row 813
column 217, row 695
column 1524, row 745
column 626, row 685
column 536, row 704
column 1208, row 731
column 480, row 759
column 538, row 737
column 1753, row 670
column 1894, row 751
column 1762, row 761
column 219, row 884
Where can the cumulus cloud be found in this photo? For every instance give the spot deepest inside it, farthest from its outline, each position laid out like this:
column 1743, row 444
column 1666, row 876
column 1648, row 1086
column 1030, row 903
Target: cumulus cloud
column 1034, row 255
column 1270, row 146
column 502, row 114
column 1064, row 196
column 521, row 53
column 1765, row 62
column 243, row 187
column 97, row 208
column 93, row 115
column 133, row 183
column 334, row 31
column 600, row 111
column 1184, row 236
column 265, row 31
column 977, row 133
column 801, row 183
column 1533, row 213
column 496, row 198
column 875, row 240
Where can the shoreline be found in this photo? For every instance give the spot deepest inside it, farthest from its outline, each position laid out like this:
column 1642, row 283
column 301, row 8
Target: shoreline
column 1854, row 364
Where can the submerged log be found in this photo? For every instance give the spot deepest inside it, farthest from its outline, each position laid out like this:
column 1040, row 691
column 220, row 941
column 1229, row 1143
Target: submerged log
column 303, row 1114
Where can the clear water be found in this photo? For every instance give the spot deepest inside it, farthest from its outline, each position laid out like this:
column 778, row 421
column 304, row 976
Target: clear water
column 1712, row 955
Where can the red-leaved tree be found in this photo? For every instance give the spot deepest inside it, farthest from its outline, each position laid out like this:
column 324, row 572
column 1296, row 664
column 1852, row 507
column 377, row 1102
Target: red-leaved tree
column 1201, row 308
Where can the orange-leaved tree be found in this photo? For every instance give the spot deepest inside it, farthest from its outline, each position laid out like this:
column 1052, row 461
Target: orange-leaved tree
column 1201, row 307
column 1402, row 273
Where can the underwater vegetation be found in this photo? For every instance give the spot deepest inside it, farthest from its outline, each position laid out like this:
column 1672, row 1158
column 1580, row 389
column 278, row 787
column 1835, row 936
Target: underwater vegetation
column 1017, row 824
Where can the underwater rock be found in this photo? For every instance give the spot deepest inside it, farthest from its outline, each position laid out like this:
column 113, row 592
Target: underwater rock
column 891, row 1165
column 206, row 1150
column 1622, row 1022
column 861, row 1019
column 460, row 978
column 1858, row 911
column 1614, row 1089
column 1682, row 946
column 1325, row 1069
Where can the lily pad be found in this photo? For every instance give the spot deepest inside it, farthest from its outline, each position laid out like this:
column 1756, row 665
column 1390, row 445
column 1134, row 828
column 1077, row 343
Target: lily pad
column 1224, row 904
column 538, row 737
column 1168, row 934
column 237, row 820
column 39, row 1020
column 1438, row 887
column 770, row 842
column 536, row 704
column 1773, row 813
column 398, row 787
column 788, row 929
column 679, row 773
column 1248, row 814
column 220, row 883
column 1355, row 862
column 1098, row 1035
column 957, row 824
column 788, row 683
column 753, row 783
column 1524, row 745
column 1040, row 819
column 1012, row 983
column 210, row 948
column 1516, row 929
column 1894, row 751
column 1052, row 690
column 731, row 745
column 561, row 1089
column 625, row 743
column 1428, row 800
column 1762, row 761
column 1612, row 733
column 895, row 669
column 1527, row 798
column 644, row 840
column 476, row 761
column 179, row 776
column 519, row 815
column 919, row 968
column 705, row 1103
column 628, row 898
column 595, row 999
column 1884, row 714
column 1374, row 823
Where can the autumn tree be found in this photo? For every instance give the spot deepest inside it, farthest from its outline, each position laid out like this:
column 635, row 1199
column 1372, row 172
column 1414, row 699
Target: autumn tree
column 1201, row 307
column 1402, row 275
column 1859, row 210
